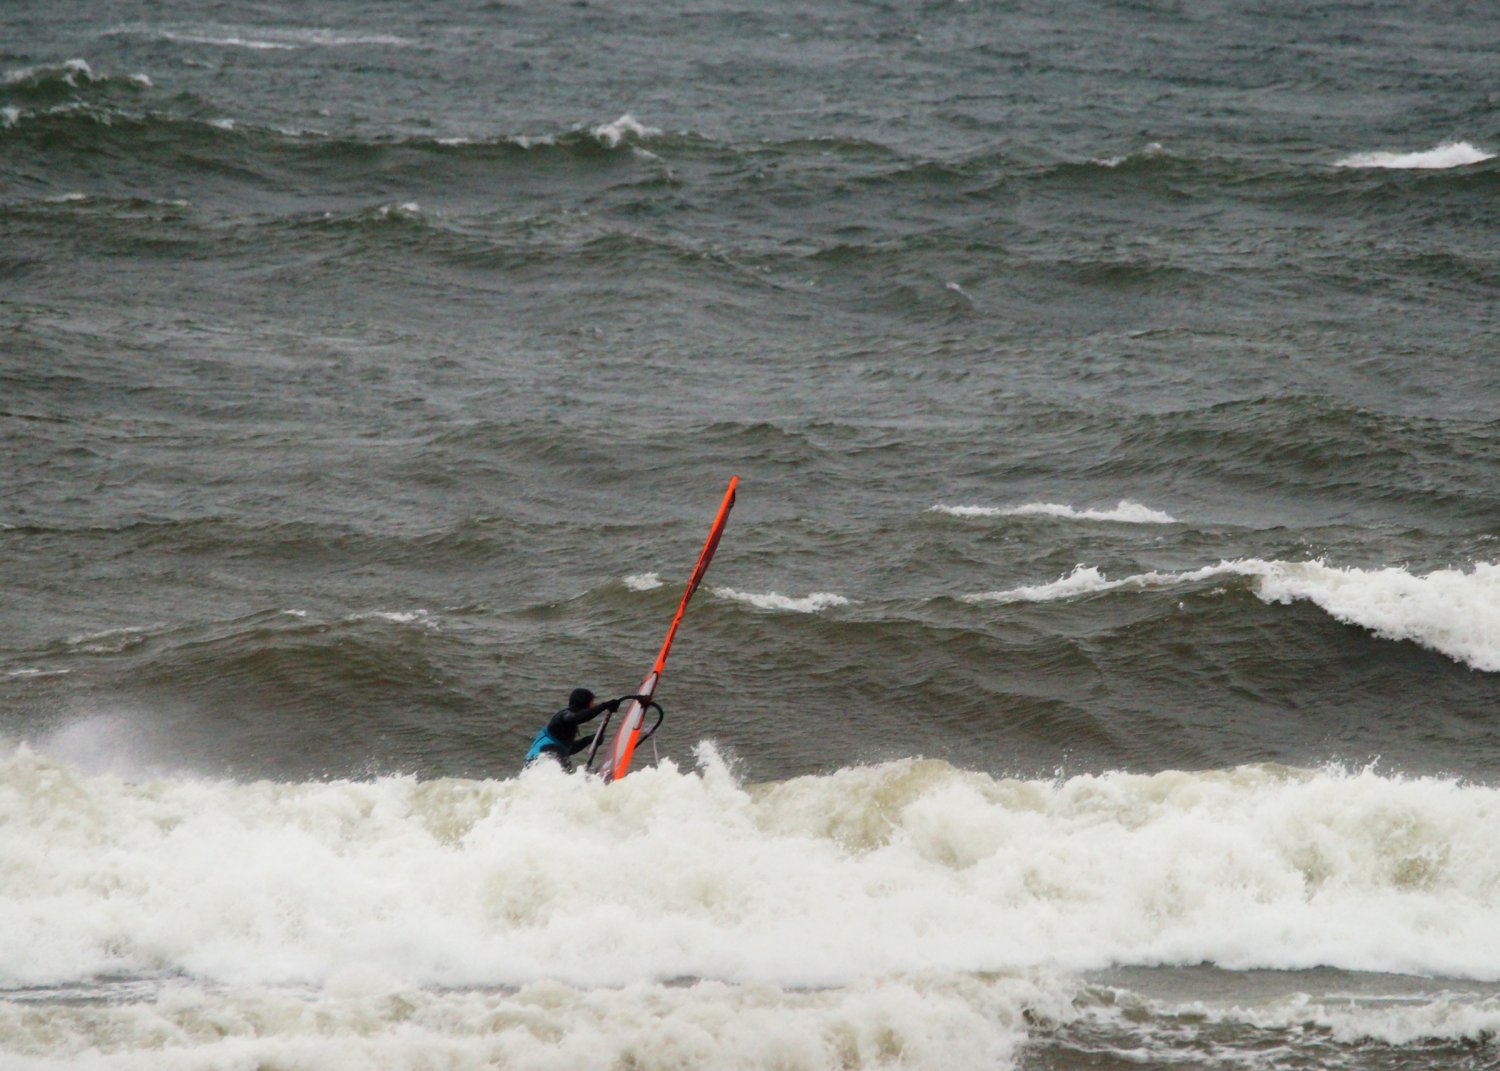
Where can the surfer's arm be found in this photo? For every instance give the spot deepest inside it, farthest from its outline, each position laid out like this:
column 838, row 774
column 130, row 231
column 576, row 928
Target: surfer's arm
column 575, row 719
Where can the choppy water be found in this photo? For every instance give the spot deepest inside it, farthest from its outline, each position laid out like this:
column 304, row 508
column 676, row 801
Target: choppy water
column 1102, row 664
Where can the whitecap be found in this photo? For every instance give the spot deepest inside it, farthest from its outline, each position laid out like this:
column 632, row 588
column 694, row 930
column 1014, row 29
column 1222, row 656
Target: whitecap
column 268, row 39
column 1449, row 154
column 397, row 617
column 1152, row 149
column 1126, row 512
column 1083, row 580
column 771, row 600
column 76, row 69
column 1450, row 611
column 612, row 134
column 109, row 641
column 227, row 40
column 643, row 581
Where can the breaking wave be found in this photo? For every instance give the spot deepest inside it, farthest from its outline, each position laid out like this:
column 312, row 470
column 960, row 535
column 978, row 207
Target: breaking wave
column 1126, row 512
column 1453, row 612
column 1447, row 155
column 771, row 600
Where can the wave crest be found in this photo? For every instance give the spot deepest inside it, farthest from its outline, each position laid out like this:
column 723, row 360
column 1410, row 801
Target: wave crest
column 1447, row 155
column 1453, row 612
column 1126, row 512
column 771, row 600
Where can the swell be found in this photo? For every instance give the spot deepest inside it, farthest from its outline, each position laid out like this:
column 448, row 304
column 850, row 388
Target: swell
column 1320, row 445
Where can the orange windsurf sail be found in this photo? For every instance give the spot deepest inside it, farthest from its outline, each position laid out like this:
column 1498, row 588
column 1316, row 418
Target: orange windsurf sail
column 627, row 732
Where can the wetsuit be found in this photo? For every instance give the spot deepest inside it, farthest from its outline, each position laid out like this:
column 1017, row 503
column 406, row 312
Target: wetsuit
column 559, row 740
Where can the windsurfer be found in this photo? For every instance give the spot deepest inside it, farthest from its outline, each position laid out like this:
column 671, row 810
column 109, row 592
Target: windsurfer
column 559, row 740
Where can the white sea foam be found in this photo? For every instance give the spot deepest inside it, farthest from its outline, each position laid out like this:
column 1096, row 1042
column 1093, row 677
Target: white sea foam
column 268, row 39
column 910, row 902
column 1398, row 1020
column 1152, row 149
column 78, row 69
column 612, row 134
column 888, row 1024
column 226, row 39
column 643, row 581
column 404, row 210
column 770, row 600
column 398, row 617
column 1451, row 611
column 109, row 641
column 1126, row 512
column 72, row 71
column 10, row 115
column 1449, row 154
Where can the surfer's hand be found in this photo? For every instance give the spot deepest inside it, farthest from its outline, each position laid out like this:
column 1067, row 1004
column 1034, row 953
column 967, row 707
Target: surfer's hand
column 613, row 706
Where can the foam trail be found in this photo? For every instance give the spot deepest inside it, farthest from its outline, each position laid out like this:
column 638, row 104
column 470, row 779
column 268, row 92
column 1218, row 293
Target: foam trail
column 265, row 39
column 1396, row 1021
column 808, row 604
column 1126, row 512
column 1450, row 611
column 1449, row 154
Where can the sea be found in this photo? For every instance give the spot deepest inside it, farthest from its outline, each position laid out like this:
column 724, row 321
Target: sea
column 1100, row 669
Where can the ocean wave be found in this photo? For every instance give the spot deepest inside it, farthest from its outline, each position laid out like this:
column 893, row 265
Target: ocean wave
column 1451, row 611
column 771, row 600
column 1447, row 155
column 818, row 881
column 1354, row 1017
column 643, row 581
column 72, row 120
column 1152, row 151
column 265, row 38
column 394, row 617
column 1399, row 1019
column 626, row 127
column 367, row 1019
column 71, row 73
column 1126, row 512
column 30, row 91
